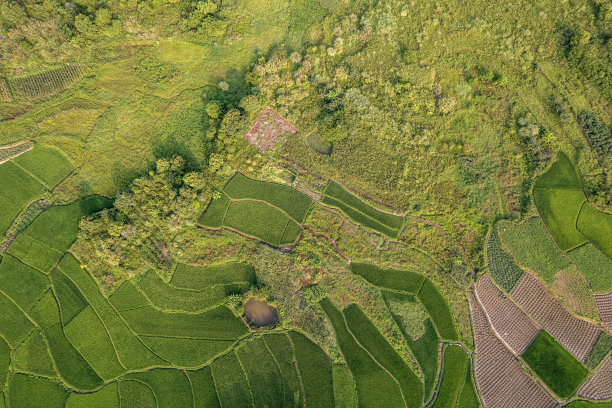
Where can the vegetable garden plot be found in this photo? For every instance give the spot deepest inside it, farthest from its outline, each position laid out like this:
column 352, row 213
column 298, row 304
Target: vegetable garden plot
column 46, row 83
column 604, row 307
column 594, row 265
column 47, row 164
column 134, row 393
column 600, row 350
column 360, row 212
column 17, row 189
column 200, row 277
column 597, row 227
column 554, row 365
column 500, row 378
column 598, row 387
column 501, row 266
column 295, row 203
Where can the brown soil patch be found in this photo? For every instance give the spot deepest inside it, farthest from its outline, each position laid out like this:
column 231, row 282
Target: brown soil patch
column 268, row 130
column 574, row 288
column 599, row 386
column 604, row 306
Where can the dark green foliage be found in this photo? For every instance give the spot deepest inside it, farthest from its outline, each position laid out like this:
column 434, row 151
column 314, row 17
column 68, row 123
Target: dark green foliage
column 231, row 383
column 5, row 359
column 600, row 350
column 32, row 356
column 107, row 397
column 170, row 387
column 69, row 297
column 456, row 363
column 197, row 278
column 359, row 217
column 425, row 350
column 315, row 369
column 407, row 281
column 35, row 392
column 594, row 265
column 295, row 203
column 375, row 343
column 438, row 309
column 262, row 373
column 597, row 132
column 126, row 297
column 215, row 212
column 597, row 227
column 14, row 326
column 204, row 392
column 502, row 268
column 135, row 394
column 554, row 365
column 281, row 349
column 468, row 397
column 373, row 383
column 345, row 394
column 45, row 163
column 22, row 283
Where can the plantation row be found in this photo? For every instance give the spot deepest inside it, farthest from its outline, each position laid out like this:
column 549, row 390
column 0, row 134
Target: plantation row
column 604, row 306
column 5, row 91
column 360, row 212
column 26, row 177
column 597, row 387
column 269, row 212
column 46, row 83
column 275, row 370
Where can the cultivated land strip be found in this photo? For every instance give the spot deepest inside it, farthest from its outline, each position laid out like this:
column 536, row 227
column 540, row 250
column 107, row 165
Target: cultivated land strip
column 500, row 378
column 604, row 307
column 576, row 335
column 599, row 386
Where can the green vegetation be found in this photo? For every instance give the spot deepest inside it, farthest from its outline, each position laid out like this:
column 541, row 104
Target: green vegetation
column 594, row 265
column 468, row 397
column 406, row 281
column 588, row 404
column 262, row 372
column 438, row 309
column 454, row 372
column 32, row 356
column 600, row 350
column 598, row 133
column 203, row 387
column 35, row 392
column 293, row 202
column 502, row 268
column 554, row 365
column 231, row 382
column 597, row 227
column 345, row 394
column 14, row 325
column 23, row 284
column 215, row 212
column 281, row 349
column 425, row 349
column 170, row 387
column 532, row 247
column 360, row 212
column 106, row 397
column 5, row 358
column 46, row 164
column 17, row 189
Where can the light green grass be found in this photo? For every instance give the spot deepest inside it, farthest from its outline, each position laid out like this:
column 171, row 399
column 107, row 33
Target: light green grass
column 107, row 397
column 281, row 349
column 264, row 377
column 453, row 376
column 373, row 383
column 375, row 343
column 14, row 325
column 532, row 247
column 315, row 369
column 17, row 188
column 597, row 227
column 197, row 278
column 135, row 394
column 35, row 392
column 170, row 387
column 22, row 283
column 438, row 309
column 406, row 281
column 88, row 335
column 32, row 356
column 186, row 352
column 594, row 265
column 554, row 365
column 231, row 382
column 295, row 203
column 204, row 392
column 215, row 212
column 46, row 163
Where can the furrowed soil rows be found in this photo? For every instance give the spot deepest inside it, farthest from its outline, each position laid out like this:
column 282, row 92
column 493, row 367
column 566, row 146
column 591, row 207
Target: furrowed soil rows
column 599, row 386
column 500, row 378
column 512, row 325
column 576, row 335
column 501, row 266
column 46, row 83
column 604, row 307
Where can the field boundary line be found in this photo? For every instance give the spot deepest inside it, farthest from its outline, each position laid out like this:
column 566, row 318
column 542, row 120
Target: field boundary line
column 297, row 368
column 190, row 387
column 276, row 363
column 33, row 176
column 246, row 376
column 16, row 154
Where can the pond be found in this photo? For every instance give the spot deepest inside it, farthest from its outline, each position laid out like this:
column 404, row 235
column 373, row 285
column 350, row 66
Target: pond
column 260, row 313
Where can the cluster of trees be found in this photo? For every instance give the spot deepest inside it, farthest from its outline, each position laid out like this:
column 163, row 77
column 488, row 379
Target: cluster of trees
column 598, row 133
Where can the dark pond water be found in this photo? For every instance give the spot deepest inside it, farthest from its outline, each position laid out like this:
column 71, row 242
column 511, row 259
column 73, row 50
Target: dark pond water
column 260, row 313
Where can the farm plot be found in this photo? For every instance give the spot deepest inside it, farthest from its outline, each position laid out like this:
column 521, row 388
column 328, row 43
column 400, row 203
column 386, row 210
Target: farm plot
column 46, row 164
column 360, row 212
column 532, row 247
column 295, row 203
column 500, row 378
column 576, row 335
column 599, row 386
column 32, row 356
column 600, row 350
column 455, row 372
column 203, row 387
column 134, row 393
column 512, row 325
column 231, row 382
column 14, row 325
column 215, row 212
column 171, row 388
column 425, row 350
column 373, row 382
column 502, row 268
column 594, row 265
column 17, row 189
column 107, row 397
column 35, row 392
column 46, row 240
column 597, row 227
column 198, row 278
column 46, row 83
column 268, row 130
column 604, row 307
column 5, row 359
column 438, row 309
column 281, row 349
column 558, row 195
column 14, row 150
column 20, row 282
column 555, row 365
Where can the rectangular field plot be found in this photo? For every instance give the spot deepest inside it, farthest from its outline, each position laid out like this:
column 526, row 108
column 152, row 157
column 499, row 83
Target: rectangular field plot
column 203, row 386
column 295, row 203
column 502, row 268
column 17, row 189
column 261, row 221
column 405, row 281
column 170, row 387
column 360, row 212
column 554, row 365
column 215, row 212
column 231, row 382
column 200, row 277
column 46, row 163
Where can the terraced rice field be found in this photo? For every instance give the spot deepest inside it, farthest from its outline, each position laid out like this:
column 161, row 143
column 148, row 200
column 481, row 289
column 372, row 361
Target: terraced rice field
column 335, row 195
column 456, row 387
column 599, row 385
column 512, row 325
column 604, row 307
column 501, row 380
column 270, row 212
column 576, row 335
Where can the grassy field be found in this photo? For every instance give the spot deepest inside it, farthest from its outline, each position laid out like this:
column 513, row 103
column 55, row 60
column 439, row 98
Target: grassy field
column 532, row 247
column 135, row 393
column 554, row 365
column 502, row 268
column 345, row 394
column 22, row 283
column 425, row 350
column 186, row 352
column 170, row 387
column 293, row 202
column 198, row 278
column 406, row 281
column 14, row 325
column 594, row 265
column 562, row 174
column 32, row 356
column 17, row 189
column 456, row 363
column 231, row 382
column 597, row 227
column 281, row 349
column 438, row 309
column 47, row 164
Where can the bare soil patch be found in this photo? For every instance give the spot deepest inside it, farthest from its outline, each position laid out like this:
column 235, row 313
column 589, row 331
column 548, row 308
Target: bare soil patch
column 268, row 130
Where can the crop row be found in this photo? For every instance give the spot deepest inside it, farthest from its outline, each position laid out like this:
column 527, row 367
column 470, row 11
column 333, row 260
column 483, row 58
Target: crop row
column 46, row 83
column 501, row 266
